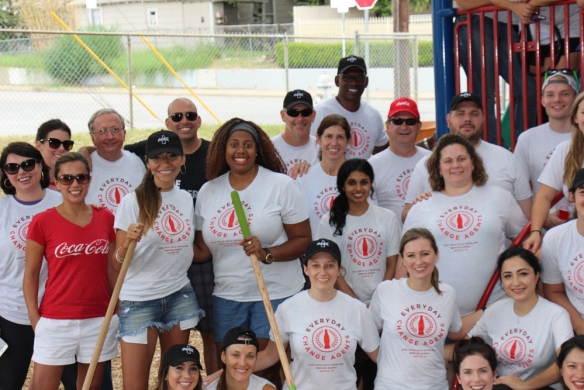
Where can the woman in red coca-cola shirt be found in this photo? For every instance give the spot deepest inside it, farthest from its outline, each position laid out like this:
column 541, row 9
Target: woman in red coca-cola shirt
column 77, row 240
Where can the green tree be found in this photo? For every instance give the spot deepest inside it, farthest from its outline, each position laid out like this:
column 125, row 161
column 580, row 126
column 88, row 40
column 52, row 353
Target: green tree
column 9, row 18
column 383, row 7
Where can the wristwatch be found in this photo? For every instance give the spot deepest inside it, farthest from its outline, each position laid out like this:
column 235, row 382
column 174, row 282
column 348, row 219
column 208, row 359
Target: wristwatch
column 269, row 257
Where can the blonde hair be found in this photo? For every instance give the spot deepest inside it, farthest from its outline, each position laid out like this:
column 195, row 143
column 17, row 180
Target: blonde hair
column 575, row 155
column 414, row 234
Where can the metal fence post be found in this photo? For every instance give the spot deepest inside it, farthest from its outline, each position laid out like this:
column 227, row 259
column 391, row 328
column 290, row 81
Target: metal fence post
column 416, row 59
column 130, row 81
column 286, row 65
column 356, row 50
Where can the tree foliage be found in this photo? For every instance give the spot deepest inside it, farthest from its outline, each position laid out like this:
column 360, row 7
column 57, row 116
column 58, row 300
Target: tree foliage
column 9, row 18
column 383, row 7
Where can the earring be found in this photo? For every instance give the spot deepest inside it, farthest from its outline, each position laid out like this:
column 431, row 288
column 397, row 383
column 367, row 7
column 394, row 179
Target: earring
column 183, row 169
column 42, row 176
column 7, row 183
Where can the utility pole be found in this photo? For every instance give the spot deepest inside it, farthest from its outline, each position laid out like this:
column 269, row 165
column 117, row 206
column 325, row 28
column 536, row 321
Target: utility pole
column 401, row 49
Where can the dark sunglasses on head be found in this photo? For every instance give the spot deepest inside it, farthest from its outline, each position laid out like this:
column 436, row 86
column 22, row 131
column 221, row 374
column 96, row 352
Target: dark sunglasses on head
column 26, row 165
column 190, row 115
column 55, row 143
column 82, row 178
column 400, row 121
column 565, row 71
column 294, row 113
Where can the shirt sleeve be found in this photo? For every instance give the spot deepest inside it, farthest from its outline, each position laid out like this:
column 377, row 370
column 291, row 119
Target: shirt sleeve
column 293, row 203
column 480, row 329
column 139, row 148
column 521, row 154
column 553, row 173
column 393, row 234
column 382, row 139
column 36, row 229
column 369, row 332
column 456, row 320
column 279, row 315
column 516, row 220
column 550, row 269
column 199, row 220
column 418, row 181
column 561, row 327
column 324, row 229
column 127, row 212
column 521, row 187
column 375, row 308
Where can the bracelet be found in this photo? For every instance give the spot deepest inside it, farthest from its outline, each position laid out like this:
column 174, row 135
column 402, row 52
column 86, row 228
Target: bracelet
column 118, row 257
column 539, row 231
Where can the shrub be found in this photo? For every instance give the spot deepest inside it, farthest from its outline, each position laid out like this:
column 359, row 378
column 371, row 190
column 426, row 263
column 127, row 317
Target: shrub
column 70, row 63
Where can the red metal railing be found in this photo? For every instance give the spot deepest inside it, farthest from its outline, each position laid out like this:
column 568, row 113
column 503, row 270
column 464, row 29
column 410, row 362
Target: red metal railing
column 521, row 47
column 487, row 294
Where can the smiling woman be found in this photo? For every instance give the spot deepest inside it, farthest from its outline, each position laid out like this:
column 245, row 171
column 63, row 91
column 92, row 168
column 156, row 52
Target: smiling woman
column 53, row 139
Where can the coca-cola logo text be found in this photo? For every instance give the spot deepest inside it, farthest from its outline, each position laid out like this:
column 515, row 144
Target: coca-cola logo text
column 96, row 247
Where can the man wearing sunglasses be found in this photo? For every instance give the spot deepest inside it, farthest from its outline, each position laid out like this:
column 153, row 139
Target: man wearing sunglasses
column 466, row 119
column 115, row 172
column 296, row 146
column 367, row 134
column 393, row 167
column 535, row 147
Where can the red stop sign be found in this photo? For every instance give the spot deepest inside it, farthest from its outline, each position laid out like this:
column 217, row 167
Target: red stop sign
column 365, row 4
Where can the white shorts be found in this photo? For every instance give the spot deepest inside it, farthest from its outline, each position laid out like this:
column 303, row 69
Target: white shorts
column 62, row 342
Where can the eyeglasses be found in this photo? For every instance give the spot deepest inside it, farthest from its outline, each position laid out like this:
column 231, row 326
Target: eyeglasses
column 190, row 115
column 400, row 121
column 27, row 166
column 55, row 143
column 113, row 130
column 67, row 180
column 305, row 113
column 347, row 79
column 565, row 71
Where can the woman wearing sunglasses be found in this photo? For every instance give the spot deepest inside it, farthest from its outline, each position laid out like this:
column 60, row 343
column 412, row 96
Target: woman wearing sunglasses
column 24, row 179
column 76, row 240
column 558, row 174
column 319, row 185
column 53, row 139
column 157, row 301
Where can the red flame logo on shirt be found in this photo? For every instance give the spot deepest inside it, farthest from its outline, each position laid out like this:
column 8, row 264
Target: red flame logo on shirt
column 460, row 221
column 514, row 349
column 114, row 195
column 172, row 224
column 327, row 339
column 421, row 325
column 366, row 246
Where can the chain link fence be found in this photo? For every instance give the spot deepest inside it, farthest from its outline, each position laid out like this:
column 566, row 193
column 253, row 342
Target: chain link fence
column 47, row 75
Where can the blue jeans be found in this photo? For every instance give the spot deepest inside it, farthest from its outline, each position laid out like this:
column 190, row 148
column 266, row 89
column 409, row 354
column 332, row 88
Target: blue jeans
column 532, row 104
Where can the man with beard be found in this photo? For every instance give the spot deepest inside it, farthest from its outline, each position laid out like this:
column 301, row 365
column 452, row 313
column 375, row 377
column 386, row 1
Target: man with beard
column 466, row 119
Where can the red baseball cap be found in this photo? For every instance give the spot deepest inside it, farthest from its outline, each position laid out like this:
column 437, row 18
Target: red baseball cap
column 403, row 105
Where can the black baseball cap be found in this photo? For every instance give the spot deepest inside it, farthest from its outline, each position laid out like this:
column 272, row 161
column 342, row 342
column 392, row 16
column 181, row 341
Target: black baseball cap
column 163, row 141
column 350, row 62
column 180, row 353
column 323, row 245
column 232, row 337
column 465, row 97
column 297, row 96
column 578, row 180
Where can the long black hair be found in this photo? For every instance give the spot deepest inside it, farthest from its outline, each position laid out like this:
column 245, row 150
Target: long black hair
column 340, row 209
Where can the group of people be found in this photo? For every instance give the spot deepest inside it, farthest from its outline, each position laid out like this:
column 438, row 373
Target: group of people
column 374, row 251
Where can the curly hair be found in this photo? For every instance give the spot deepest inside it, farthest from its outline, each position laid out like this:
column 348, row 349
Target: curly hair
column 25, row 150
column 340, row 209
column 267, row 155
column 479, row 175
column 574, row 158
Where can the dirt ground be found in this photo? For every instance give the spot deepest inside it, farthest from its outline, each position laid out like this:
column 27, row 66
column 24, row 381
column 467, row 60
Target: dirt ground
column 194, row 340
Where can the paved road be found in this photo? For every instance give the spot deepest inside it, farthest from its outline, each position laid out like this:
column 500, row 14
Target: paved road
column 22, row 111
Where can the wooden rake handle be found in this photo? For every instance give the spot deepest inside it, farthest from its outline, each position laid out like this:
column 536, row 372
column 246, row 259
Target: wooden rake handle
column 108, row 316
column 264, row 292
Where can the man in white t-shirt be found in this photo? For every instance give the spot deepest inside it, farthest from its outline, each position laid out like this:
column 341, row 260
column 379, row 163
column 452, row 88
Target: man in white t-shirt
column 115, row 172
column 535, row 147
column 367, row 135
column 295, row 144
column 393, row 167
column 466, row 119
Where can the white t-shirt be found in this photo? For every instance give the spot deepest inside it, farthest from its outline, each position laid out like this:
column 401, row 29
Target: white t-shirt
column 319, row 190
column 562, row 260
column 367, row 129
column 165, row 253
column 270, row 201
column 544, row 31
column 470, row 231
column 111, row 181
column 367, row 241
column 14, row 227
column 553, row 173
column 392, row 178
column 414, row 328
column 292, row 155
column 255, row 383
column 534, row 149
column 323, row 338
column 500, row 165
column 527, row 345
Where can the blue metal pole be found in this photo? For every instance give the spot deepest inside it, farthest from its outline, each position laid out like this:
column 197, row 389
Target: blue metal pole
column 443, row 30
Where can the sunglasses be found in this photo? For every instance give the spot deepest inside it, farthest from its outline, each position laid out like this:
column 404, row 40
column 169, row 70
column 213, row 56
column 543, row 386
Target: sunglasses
column 55, row 143
column 565, row 71
column 305, row 113
column 67, row 180
column 190, row 115
column 27, row 166
column 400, row 121
column 348, row 79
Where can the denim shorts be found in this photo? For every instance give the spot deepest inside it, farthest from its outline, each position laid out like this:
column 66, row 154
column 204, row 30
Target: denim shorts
column 164, row 313
column 230, row 314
